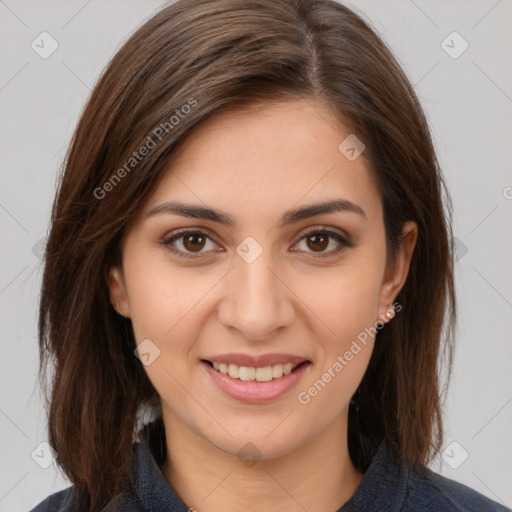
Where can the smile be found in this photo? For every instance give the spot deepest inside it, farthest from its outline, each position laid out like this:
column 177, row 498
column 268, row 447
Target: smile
column 261, row 374
column 255, row 385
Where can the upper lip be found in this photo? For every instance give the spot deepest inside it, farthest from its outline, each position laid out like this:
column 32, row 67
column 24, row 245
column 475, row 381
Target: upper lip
column 256, row 361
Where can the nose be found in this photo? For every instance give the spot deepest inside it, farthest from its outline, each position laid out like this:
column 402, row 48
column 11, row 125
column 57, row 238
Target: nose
column 256, row 299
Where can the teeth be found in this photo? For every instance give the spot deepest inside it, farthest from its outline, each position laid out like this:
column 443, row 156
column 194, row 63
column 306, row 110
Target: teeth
column 277, row 371
column 234, row 371
column 246, row 373
column 263, row 374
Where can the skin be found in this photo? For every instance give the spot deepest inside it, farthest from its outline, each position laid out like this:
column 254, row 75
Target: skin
column 255, row 165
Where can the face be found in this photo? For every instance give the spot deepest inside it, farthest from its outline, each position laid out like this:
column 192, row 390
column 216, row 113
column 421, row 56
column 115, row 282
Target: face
column 268, row 288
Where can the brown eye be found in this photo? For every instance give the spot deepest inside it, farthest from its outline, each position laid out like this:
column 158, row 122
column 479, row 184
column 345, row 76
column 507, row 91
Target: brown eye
column 194, row 242
column 324, row 242
column 318, row 242
column 189, row 244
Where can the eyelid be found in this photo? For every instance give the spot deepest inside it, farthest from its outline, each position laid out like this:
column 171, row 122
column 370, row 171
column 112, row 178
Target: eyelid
column 167, row 241
column 330, row 231
column 343, row 240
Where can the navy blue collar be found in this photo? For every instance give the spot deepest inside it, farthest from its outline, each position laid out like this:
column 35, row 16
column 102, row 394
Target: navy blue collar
column 383, row 487
column 154, row 492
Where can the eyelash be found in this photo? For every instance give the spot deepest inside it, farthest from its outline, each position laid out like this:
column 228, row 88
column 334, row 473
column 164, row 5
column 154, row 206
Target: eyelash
column 343, row 242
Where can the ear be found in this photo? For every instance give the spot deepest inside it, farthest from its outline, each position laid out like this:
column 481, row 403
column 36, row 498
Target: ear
column 396, row 273
column 117, row 291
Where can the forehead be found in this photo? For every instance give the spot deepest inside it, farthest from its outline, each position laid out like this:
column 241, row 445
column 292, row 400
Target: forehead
column 266, row 159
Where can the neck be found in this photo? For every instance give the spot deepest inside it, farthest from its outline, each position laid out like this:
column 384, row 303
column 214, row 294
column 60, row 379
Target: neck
column 316, row 476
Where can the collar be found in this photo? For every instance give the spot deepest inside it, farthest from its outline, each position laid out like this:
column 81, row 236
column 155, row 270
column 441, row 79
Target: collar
column 153, row 490
column 384, row 485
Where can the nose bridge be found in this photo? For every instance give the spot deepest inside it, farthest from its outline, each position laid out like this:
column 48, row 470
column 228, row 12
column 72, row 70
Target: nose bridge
column 256, row 301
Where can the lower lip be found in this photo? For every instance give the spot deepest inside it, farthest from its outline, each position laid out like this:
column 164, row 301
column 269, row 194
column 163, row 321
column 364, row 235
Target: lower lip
column 255, row 392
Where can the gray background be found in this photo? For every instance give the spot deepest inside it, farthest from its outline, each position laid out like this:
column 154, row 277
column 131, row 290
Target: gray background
column 468, row 101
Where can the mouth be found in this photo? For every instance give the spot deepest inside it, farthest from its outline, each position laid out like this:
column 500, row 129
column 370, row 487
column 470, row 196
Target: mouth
column 255, row 385
column 251, row 373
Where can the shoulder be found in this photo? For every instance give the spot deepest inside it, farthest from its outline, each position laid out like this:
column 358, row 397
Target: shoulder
column 57, row 502
column 427, row 490
column 64, row 501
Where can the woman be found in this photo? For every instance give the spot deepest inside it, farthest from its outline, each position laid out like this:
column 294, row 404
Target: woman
column 250, row 242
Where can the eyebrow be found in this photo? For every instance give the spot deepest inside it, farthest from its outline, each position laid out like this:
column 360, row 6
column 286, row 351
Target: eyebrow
column 290, row 217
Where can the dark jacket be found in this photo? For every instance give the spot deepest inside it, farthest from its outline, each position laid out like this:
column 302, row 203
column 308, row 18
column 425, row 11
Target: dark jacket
column 386, row 487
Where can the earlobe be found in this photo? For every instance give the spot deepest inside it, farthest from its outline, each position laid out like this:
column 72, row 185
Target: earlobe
column 387, row 315
column 397, row 273
column 117, row 292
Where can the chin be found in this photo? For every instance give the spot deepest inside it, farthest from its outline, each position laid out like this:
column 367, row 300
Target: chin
column 267, row 443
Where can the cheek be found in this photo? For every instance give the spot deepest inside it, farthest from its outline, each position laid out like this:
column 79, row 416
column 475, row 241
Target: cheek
column 348, row 318
column 163, row 299
column 345, row 300
column 165, row 307
column 345, row 303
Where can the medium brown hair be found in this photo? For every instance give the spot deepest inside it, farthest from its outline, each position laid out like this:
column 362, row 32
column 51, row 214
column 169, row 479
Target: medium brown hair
column 215, row 56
